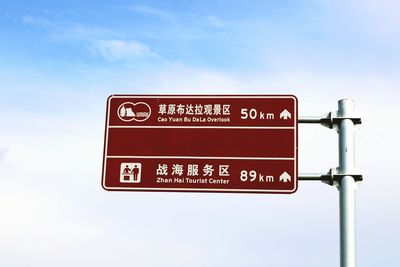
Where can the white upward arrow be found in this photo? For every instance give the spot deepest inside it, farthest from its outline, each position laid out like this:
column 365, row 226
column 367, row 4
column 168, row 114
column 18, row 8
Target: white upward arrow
column 285, row 177
column 285, row 115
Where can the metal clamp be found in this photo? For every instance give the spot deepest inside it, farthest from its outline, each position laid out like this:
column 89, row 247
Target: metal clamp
column 333, row 177
column 330, row 120
column 333, row 119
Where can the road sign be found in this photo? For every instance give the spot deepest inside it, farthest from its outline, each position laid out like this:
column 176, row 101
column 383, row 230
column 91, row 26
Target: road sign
column 201, row 143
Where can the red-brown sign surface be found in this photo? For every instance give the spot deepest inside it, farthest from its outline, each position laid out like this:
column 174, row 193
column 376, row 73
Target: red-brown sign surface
column 198, row 143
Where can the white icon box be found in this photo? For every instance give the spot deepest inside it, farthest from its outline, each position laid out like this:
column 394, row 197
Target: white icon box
column 130, row 172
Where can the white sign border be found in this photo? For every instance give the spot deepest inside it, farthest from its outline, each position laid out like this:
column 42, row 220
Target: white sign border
column 145, row 189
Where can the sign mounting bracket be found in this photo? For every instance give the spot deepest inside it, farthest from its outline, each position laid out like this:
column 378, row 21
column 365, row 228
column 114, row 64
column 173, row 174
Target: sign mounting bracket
column 332, row 177
column 330, row 120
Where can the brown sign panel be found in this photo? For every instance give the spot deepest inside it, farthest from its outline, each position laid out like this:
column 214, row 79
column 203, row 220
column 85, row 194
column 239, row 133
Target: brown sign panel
column 201, row 143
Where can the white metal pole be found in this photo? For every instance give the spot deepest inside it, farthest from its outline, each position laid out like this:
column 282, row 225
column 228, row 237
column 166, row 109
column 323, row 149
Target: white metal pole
column 347, row 185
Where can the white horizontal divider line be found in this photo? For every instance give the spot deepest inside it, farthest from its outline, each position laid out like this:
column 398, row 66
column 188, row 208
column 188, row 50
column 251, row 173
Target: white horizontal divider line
column 188, row 157
column 211, row 127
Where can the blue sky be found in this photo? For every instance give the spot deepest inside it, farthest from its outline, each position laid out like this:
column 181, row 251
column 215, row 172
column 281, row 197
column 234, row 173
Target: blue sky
column 241, row 37
column 60, row 60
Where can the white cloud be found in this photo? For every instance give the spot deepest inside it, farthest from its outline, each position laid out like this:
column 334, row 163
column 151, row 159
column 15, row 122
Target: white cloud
column 147, row 10
column 378, row 19
column 3, row 153
column 386, row 11
column 99, row 40
column 214, row 22
column 181, row 78
column 115, row 50
column 79, row 33
column 28, row 19
column 35, row 21
column 192, row 18
column 189, row 25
